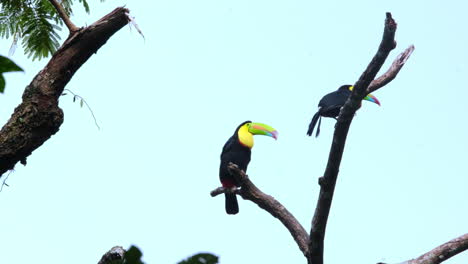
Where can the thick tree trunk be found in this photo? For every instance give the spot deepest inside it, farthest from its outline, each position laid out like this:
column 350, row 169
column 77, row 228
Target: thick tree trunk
column 38, row 117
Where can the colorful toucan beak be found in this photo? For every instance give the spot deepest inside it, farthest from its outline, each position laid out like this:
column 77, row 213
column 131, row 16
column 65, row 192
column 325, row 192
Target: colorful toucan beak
column 372, row 98
column 263, row 129
column 369, row 97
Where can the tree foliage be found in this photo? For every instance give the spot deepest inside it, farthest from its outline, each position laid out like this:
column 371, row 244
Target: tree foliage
column 35, row 23
column 6, row 65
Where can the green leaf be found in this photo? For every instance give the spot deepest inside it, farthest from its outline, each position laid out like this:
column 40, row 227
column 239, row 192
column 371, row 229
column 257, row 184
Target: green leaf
column 85, row 5
column 2, row 84
column 201, row 258
column 6, row 65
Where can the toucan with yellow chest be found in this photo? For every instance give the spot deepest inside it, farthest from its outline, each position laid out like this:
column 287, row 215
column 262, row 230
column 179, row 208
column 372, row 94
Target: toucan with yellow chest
column 237, row 150
column 330, row 106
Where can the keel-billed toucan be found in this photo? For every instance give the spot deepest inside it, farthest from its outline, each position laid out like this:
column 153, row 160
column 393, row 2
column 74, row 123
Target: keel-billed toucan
column 237, row 150
column 331, row 104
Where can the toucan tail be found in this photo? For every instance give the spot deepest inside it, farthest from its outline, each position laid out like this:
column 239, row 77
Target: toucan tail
column 318, row 127
column 231, row 203
column 312, row 124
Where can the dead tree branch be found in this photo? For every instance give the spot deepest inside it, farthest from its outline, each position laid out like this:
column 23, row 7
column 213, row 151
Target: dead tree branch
column 249, row 191
column 442, row 252
column 63, row 15
column 392, row 72
column 328, row 181
column 38, row 117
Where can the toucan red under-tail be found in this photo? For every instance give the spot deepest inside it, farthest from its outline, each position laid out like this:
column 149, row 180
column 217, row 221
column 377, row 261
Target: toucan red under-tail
column 237, row 150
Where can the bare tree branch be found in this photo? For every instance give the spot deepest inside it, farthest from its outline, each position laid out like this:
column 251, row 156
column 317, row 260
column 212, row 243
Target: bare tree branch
column 442, row 252
column 328, row 181
column 71, row 27
column 392, row 72
column 249, row 191
column 39, row 117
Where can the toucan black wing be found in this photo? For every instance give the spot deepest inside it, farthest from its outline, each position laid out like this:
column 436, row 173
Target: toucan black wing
column 330, row 111
column 227, row 146
column 329, row 106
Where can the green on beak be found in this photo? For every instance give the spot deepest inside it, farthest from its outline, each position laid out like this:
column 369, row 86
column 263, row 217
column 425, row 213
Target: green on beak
column 262, row 129
column 369, row 97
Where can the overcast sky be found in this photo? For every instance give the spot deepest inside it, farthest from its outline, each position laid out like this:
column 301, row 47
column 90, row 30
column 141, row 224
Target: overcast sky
column 167, row 104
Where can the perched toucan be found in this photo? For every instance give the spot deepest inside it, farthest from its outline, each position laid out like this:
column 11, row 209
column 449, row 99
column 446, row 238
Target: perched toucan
column 331, row 104
column 237, row 150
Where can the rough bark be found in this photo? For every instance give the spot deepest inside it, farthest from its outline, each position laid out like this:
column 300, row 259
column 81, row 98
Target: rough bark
column 38, row 117
column 442, row 252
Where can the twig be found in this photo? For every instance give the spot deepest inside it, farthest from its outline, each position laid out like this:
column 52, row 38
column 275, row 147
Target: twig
column 328, row 181
column 63, row 15
column 4, row 181
column 87, row 105
column 249, row 191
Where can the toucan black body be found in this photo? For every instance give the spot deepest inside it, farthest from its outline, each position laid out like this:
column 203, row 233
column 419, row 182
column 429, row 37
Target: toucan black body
column 235, row 152
column 330, row 106
column 238, row 151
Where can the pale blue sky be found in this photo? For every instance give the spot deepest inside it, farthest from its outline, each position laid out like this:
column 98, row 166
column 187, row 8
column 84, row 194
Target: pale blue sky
column 167, row 104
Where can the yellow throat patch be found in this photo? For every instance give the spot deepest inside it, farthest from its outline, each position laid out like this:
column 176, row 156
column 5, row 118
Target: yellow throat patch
column 245, row 137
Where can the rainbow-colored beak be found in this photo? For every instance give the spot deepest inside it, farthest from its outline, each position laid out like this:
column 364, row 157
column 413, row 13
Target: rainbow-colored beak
column 372, row 98
column 369, row 97
column 262, row 129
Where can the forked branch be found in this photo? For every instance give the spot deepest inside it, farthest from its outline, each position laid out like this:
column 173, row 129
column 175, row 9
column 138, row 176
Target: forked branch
column 328, row 181
column 392, row 71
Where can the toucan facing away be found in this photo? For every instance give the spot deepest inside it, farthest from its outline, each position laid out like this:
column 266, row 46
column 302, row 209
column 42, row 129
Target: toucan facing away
column 237, row 150
column 331, row 104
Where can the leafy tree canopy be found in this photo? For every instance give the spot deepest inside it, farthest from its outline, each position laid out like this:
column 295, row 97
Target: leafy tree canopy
column 35, row 23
